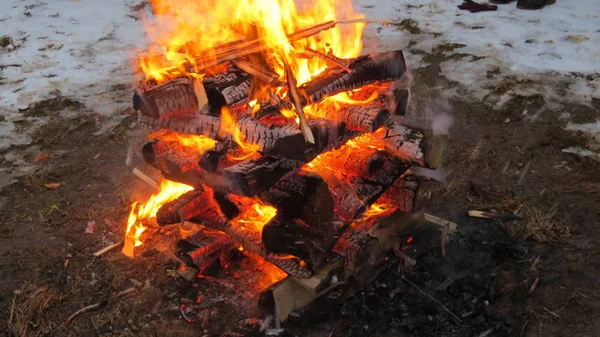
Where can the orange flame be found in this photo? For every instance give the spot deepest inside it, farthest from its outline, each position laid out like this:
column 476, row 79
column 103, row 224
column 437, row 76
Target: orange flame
column 198, row 142
column 180, row 34
column 254, row 218
column 230, row 126
column 169, row 191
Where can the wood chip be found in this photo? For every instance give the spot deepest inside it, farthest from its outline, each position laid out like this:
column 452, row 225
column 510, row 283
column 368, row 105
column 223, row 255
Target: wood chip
column 441, row 222
column 108, row 248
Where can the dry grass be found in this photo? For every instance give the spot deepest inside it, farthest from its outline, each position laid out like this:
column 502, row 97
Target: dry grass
column 543, row 227
column 28, row 312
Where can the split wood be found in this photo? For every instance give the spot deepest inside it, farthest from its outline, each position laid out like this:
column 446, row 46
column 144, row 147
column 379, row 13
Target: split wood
column 293, row 87
column 431, row 298
column 146, row 178
column 441, row 222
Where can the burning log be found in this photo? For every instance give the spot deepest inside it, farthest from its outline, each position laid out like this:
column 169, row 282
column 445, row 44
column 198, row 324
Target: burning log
column 200, row 250
column 176, row 97
column 247, row 178
column 398, row 140
column 365, row 118
column 283, row 139
column 369, row 69
column 205, row 210
column 324, row 201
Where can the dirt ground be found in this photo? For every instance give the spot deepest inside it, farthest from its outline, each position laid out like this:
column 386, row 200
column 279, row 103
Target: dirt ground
column 491, row 264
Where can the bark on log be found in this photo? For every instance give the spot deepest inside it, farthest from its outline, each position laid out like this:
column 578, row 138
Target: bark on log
column 369, row 69
column 402, row 142
column 282, row 140
column 365, row 118
column 246, row 178
column 201, row 249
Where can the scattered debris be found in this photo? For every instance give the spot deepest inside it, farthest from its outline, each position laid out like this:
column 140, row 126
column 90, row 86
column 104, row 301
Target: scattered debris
column 475, row 7
column 52, row 186
column 6, row 41
column 431, row 298
column 534, row 286
column 61, row 279
column 91, row 226
column 137, row 287
column 493, row 215
column 41, row 158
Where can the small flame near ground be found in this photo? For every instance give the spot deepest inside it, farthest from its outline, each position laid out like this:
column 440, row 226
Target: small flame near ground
column 169, row 191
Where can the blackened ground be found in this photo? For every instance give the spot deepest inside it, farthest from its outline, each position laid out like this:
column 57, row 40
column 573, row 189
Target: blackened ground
column 488, row 263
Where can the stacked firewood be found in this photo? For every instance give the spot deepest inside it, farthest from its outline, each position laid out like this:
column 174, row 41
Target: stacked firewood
column 358, row 154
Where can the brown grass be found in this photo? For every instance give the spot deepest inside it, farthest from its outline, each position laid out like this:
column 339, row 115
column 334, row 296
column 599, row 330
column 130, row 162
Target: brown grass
column 28, row 312
column 543, row 227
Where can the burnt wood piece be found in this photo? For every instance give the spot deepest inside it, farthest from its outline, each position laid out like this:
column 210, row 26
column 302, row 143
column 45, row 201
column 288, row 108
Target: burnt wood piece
column 399, row 140
column 247, row 178
column 354, row 176
column 282, row 139
column 201, row 249
column 369, row 69
column 168, row 213
column 204, row 210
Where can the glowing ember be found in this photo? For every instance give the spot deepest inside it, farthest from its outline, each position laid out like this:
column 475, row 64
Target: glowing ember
column 379, row 210
column 198, row 142
column 254, row 218
column 268, row 273
column 169, row 191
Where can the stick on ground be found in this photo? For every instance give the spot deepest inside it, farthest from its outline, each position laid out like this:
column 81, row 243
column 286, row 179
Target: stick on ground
column 146, row 178
column 108, row 248
column 431, row 298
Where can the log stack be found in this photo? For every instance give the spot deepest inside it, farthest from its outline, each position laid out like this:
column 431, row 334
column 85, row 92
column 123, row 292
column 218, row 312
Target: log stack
column 320, row 194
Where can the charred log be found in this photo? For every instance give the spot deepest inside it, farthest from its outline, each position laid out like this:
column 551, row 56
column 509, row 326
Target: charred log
column 283, row 140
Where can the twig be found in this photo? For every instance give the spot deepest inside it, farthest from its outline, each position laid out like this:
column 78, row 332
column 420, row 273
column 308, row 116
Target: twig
column 444, row 238
column 256, row 71
column 535, row 262
column 12, row 309
column 330, row 60
column 292, row 85
column 492, row 215
column 441, row 222
column 108, row 248
column 522, row 176
column 554, row 314
column 206, row 318
column 534, row 285
column 146, row 179
column 105, row 302
column 431, row 298
column 86, row 309
column 182, row 312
